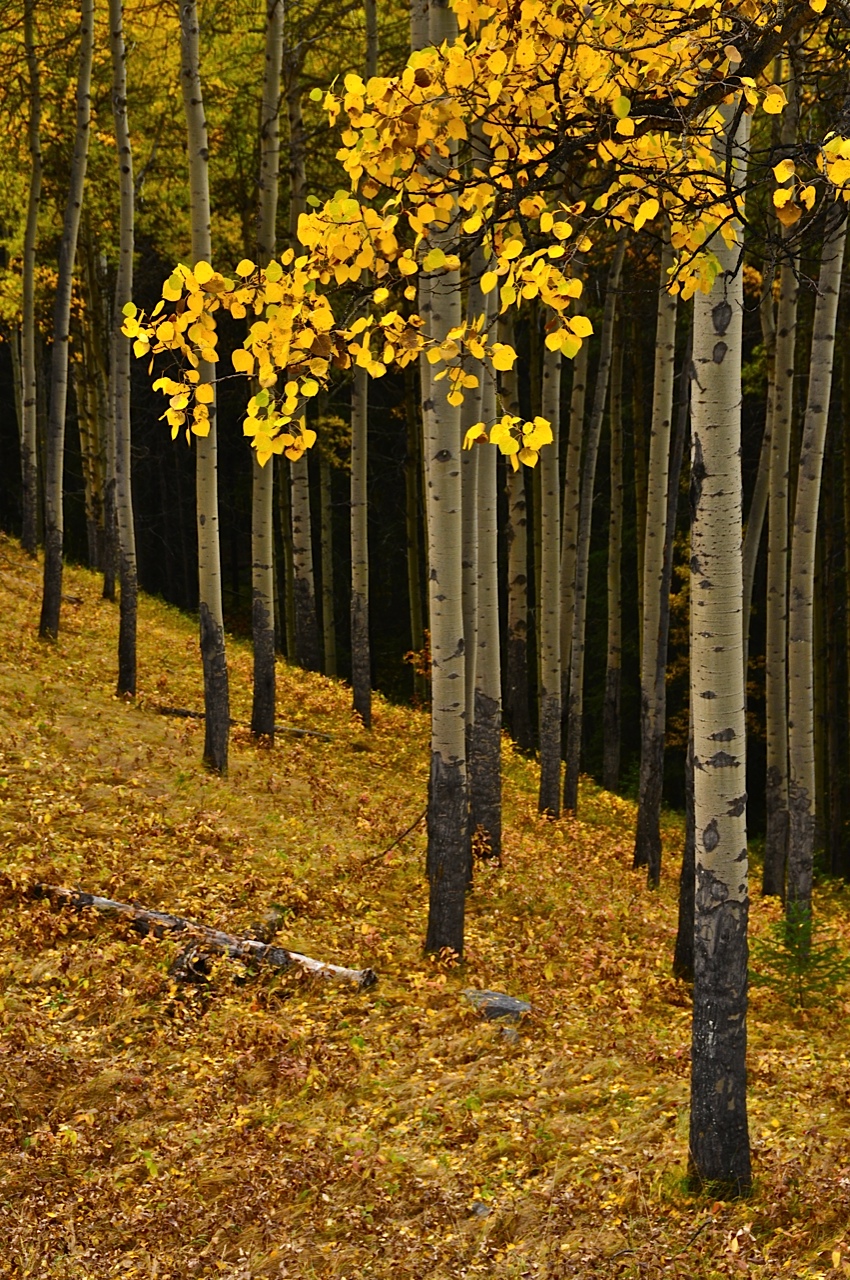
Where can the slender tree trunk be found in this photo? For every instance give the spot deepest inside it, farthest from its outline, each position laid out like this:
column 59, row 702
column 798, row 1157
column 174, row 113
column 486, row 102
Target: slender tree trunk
column 776, row 623
column 448, row 816
column 549, row 593
column 470, row 413
column 288, row 585
column 361, row 661
column 570, row 515
column 120, row 368
column 29, row 384
column 53, row 495
column 307, row 648
column 801, row 726
column 485, row 742
column 327, row 530
column 639, row 399
column 262, row 478
column 758, row 505
column 216, row 687
column 653, row 665
column 412, row 481
column 576, row 699
column 613, row 664
column 519, row 715
column 719, row 1140
column 832, row 702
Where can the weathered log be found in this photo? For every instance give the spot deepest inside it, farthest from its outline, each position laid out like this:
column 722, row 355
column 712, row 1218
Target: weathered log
column 184, row 713
column 159, row 923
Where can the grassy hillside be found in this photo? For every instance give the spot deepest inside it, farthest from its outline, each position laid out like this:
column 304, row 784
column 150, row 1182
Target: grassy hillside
column 283, row 1127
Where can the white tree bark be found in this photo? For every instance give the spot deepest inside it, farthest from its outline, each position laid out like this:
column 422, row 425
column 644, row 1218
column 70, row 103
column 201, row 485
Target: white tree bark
column 570, row 513
column 549, row 602
column 801, row 710
column 216, row 688
column 614, row 656
column 54, row 520
column 719, row 1142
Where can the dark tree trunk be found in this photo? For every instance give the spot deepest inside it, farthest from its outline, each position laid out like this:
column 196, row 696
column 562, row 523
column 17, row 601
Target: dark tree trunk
column 127, row 615
column 216, row 694
column 683, row 956
column 109, row 556
column 361, row 664
column 486, row 777
column 448, row 870
column 263, row 703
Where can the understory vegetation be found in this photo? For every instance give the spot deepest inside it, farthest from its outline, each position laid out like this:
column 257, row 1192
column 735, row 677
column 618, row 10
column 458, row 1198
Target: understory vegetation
column 268, row 1125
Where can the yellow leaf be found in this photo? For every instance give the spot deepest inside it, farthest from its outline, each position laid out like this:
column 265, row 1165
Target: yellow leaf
column 274, row 271
column 489, row 281
column 474, row 434
column 529, row 456
column 807, row 196
column 783, row 171
column 141, row 346
column 646, row 212
column 580, row 326
column 243, row 361
column 128, row 309
column 625, row 128
column 621, row 107
column 434, row 260
column 502, row 356
column 203, row 272
column 380, row 295
column 781, row 197
column 774, row 99
column 201, row 427
column 512, row 249
column 817, row 6
column 789, row 214
column 309, row 387
column 308, row 438
column 172, row 289
column 205, row 393
column 407, row 266
column 245, row 268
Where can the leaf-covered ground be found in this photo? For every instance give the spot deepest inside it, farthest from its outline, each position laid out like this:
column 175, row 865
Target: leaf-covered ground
column 282, row 1127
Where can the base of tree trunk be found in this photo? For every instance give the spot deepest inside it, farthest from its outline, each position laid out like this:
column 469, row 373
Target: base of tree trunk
column 202, row 938
column 307, row 651
column 573, row 753
column 127, row 618
column 719, row 1137
column 549, row 799
column 776, row 837
column 485, row 777
column 801, row 847
column 263, row 705
column 216, row 692
column 648, row 832
column 361, row 660
column 51, row 600
column 683, row 955
column 448, row 855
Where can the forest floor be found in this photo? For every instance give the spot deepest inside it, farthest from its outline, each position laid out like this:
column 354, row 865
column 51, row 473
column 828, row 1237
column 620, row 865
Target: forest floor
column 288, row 1127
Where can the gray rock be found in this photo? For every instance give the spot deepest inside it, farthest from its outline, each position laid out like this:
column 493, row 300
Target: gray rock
column 495, row 1004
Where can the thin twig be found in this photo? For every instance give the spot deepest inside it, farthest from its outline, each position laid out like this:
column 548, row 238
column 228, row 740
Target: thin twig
column 376, row 857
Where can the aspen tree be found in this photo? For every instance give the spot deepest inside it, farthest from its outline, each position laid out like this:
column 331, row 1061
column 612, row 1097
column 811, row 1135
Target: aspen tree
column 55, row 443
column 28, row 380
column 719, row 1141
column 548, row 594
column 570, row 513
column 516, row 656
column 613, row 662
column 412, row 518
column 577, row 647
column 262, row 478
column 120, row 365
column 448, row 820
column 326, row 516
column 216, row 686
column 361, row 659
column 776, row 605
column 653, row 647
column 758, row 503
column 801, row 725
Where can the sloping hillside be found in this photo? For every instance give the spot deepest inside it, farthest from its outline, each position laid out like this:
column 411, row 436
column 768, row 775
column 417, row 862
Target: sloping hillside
column 277, row 1126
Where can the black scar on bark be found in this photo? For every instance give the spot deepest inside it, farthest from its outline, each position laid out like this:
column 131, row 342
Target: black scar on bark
column 719, row 352
column 722, row 735
column 698, row 474
column 721, row 317
column 737, row 806
column 711, row 836
column 723, row 760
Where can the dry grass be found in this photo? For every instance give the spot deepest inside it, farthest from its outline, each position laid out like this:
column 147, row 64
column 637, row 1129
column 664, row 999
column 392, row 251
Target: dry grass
column 276, row 1127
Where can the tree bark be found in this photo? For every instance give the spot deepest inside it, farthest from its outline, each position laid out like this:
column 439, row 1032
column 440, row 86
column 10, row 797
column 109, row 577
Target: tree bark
column 448, row 813
column 307, row 649
column 519, row 716
column 653, row 667
column 570, row 515
column 361, row 661
column 577, row 647
column 758, row 504
column 53, row 487
column 262, row 478
column 213, row 656
column 120, row 370
column 613, row 664
column 548, row 594
column 29, row 382
column 683, row 955
column 412, row 517
column 287, row 587
column 327, row 531
column 160, row 923
column 719, row 1140
column 801, row 726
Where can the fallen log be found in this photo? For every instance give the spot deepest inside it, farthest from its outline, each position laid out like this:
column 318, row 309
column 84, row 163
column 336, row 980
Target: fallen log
column 184, row 713
column 160, row 923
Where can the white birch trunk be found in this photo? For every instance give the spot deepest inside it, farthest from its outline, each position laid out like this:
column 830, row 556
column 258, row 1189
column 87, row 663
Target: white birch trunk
column 719, row 1142
column 613, row 662
column 216, row 689
column 570, row 514
column 54, row 521
column 548, row 601
column 801, row 708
